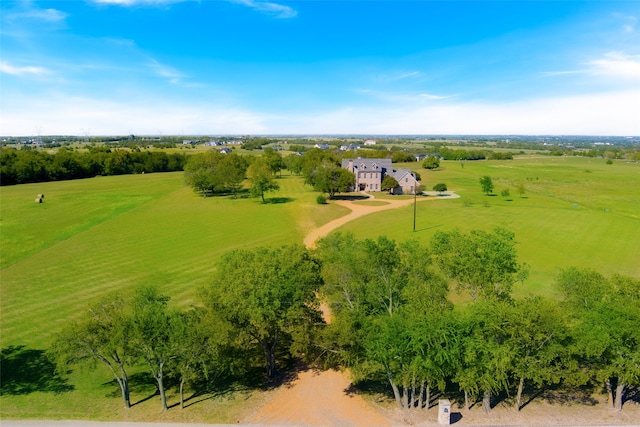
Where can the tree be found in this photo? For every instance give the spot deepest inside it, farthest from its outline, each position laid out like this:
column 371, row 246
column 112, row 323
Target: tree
column 261, row 177
column 104, row 336
column 440, row 187
column 484, row 264
column 200, row 172
column 521, row 189
column 487, row 355
column 293, row 162
column 389, row 183
column 378, row 291
column 431, row 162
column 268, row 296
column 487, row 184
column 232, row 170
column 331, row 178
column 505, row 193
column 199, row 341
column 606, row 317
column 539, row 336
column 274, row 159
column 151, row 323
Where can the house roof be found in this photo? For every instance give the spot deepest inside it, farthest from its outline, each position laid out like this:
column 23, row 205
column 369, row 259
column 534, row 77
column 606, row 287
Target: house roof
column 398, row 174
column 368, row 164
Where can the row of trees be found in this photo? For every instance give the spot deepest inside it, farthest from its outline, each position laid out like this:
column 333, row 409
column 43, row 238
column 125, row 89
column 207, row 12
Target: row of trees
column 391, row 321
column 216, row 173
column 24, row 166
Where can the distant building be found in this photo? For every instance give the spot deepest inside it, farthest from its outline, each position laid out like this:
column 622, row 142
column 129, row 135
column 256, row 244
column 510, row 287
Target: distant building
column 370, row 173
column 322, row 146
column 370, row 142
column 350, row 147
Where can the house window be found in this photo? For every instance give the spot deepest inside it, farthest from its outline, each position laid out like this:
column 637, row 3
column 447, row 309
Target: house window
column 406, row 180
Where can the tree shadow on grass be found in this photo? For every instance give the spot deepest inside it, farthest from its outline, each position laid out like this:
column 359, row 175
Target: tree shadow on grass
column 350, row 198
column 24, row 371
column 278, row 200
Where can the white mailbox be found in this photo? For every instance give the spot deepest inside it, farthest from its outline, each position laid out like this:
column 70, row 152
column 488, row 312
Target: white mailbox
column 444, row 412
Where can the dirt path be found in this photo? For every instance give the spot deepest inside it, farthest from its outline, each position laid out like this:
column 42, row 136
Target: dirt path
column 317, row 398
column 358, row 211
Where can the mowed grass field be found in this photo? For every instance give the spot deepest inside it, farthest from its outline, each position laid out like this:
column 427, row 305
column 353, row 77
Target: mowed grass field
column 574, row 212
column 105, row 234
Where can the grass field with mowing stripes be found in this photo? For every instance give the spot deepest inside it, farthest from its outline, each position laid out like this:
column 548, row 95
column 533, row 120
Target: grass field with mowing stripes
column 100, row 235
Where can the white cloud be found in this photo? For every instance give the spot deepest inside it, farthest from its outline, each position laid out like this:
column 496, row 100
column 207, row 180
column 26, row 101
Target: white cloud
column 60, row 114
column 617, row 65
column 430, row 96
column 399, row 97
column 275, row 9
column 613, row 113
column 630, row 25
column 7, row 68
column 169, row 73
column 47, row 15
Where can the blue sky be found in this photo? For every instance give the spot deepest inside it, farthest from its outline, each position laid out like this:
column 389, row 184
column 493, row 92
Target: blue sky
column 102, row 67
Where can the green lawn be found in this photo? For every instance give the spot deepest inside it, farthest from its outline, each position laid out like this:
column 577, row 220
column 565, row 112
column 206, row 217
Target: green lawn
column 111, row 234
column 105, row 234
column 575, row 211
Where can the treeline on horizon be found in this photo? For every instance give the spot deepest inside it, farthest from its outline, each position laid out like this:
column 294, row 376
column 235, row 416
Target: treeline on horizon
column 29, row 166
column 392, row 324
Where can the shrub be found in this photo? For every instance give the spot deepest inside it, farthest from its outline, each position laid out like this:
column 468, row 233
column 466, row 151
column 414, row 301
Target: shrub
column 440, row 187
column 321, row 199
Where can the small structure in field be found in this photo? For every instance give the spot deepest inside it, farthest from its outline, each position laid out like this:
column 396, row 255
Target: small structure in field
column 40, row 198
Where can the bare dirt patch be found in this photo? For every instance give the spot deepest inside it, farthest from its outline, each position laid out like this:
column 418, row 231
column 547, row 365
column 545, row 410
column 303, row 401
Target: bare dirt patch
column 317, row 398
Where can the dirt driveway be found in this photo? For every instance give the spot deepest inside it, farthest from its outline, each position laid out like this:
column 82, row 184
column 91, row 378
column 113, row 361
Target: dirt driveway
column 359, row 210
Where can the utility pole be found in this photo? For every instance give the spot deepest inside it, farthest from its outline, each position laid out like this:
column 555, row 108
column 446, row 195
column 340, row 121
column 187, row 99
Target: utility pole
column 415, row 195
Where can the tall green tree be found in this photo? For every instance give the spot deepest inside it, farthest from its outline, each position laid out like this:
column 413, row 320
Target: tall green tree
column 483, row 264
column 293, row 162
column 380, row 292
column 198, row 354
column 331, row 178
column 261, row 177
column 200, row 172
column 274, row 159
column 103, row 335
column 431, row 162
column 388, row 183
column 151, row 322
column 539, row 335
column 487, row 355
column 269, row 296
column 487, row 184
column 232, row 171
column 606, row 316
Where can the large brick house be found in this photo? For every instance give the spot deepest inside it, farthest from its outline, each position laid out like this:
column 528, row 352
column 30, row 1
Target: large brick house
column 370, row 173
